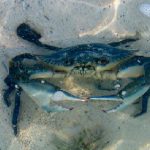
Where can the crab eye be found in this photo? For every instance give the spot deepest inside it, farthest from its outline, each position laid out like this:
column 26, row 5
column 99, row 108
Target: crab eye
column 103, row 61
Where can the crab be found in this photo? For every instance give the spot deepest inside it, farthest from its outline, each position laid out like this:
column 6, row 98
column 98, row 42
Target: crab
column 29, row 73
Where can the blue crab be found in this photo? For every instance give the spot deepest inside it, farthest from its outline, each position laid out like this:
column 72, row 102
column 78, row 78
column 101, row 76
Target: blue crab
column 100, row 61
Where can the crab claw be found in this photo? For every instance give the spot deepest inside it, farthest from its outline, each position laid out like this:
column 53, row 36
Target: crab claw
column 133, row 68
column 106, row 98
column 46, row 95
column 127, row 96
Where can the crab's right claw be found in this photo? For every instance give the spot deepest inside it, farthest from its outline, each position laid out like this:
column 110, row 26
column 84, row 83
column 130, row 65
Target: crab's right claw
column 46, row 95
column 106, row 98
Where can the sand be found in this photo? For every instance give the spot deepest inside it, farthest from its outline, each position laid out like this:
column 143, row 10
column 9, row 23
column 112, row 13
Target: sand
column 66, row 23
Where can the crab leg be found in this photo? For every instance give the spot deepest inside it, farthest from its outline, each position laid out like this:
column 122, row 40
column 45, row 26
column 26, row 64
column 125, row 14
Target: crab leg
column 21, row 57
column 6, row 95
column 16, row 110
column 46, row 95
column 133, row 68
column 27, row 33
column 144, row 104
column 125, row 41
column 9, row 90
column 11, row 87
column 45, row 74
column 39, row 72
column 147, row 94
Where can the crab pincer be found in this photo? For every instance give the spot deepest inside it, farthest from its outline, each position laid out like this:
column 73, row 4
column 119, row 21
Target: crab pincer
column 44, row 94
column 127, row 96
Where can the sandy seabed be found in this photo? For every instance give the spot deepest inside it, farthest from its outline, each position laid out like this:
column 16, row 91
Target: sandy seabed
column 65, row 23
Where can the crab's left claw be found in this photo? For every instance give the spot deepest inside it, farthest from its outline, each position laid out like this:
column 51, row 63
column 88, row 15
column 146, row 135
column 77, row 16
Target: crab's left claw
column 47, row 96
column 127, row 96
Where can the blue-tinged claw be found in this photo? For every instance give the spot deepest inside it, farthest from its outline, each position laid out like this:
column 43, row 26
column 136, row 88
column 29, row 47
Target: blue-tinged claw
column 133, row 68
column 45, row 94
column 130, row 97
column 127, row 96
column 106, row 98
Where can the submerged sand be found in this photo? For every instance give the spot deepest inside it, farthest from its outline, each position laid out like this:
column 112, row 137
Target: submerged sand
column 65, row 23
